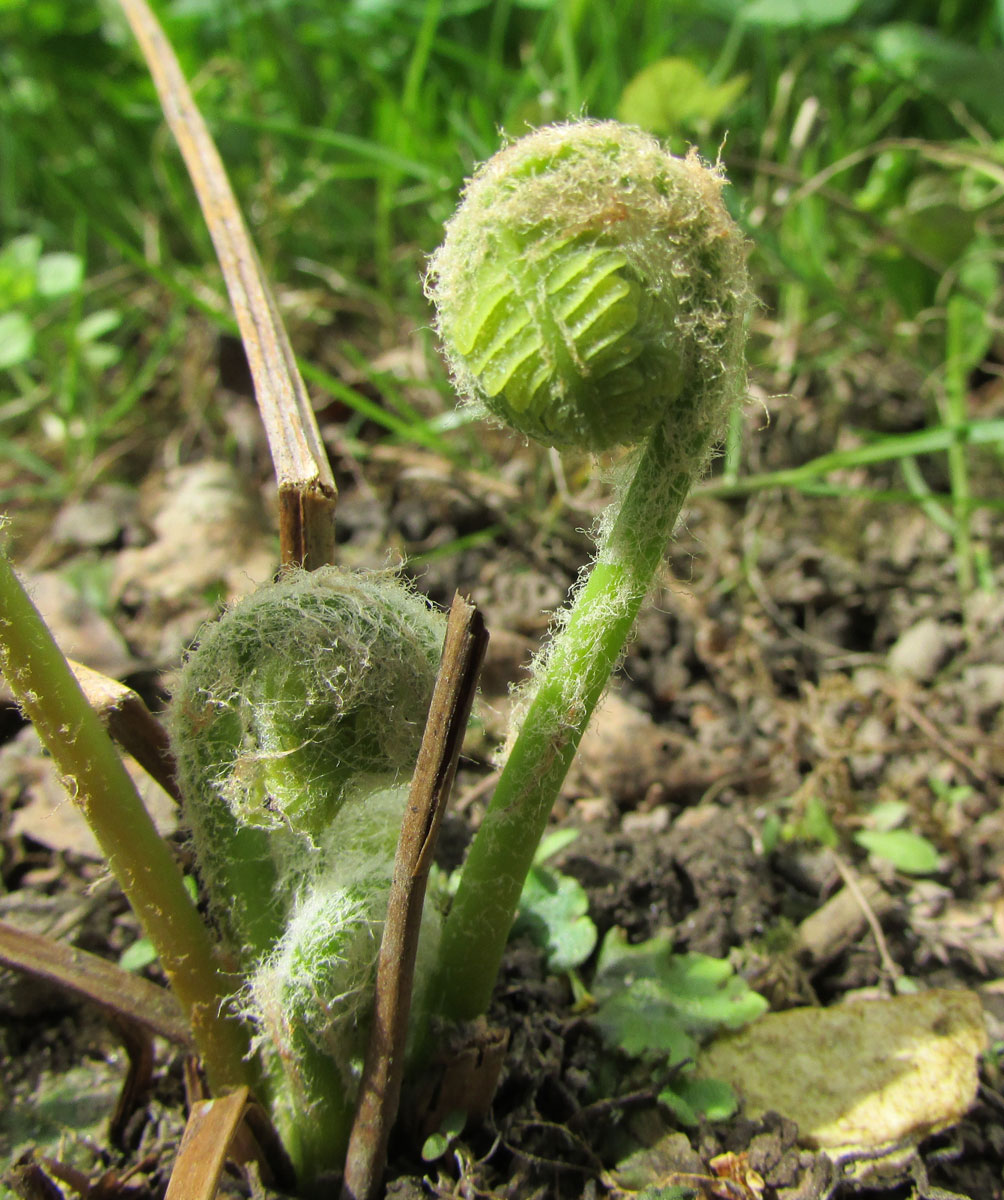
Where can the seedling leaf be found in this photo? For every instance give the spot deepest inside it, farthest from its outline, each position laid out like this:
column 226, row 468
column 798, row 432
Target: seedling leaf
column 59, row 273
column 651, row 1000
column 17, row 339
column 438, row 1143
column 553, row 843
column 908, row 852
column 691, row 1099
column 552, row 913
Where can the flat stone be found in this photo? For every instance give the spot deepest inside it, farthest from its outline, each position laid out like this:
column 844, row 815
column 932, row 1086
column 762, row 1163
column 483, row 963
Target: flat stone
column 858, row 1076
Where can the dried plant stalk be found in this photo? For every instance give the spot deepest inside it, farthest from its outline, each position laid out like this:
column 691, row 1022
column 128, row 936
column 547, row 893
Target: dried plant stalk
column 307, row 491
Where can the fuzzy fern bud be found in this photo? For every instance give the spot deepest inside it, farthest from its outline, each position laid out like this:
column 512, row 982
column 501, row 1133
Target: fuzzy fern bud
column 591, row 284
column 296, row 694
column 311, row 997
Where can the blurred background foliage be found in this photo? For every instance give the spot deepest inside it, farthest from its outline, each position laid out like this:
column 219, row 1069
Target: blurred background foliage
column 864, row 139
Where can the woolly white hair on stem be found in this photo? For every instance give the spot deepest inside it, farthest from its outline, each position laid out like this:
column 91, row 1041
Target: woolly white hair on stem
column 312, row 994
column 591, row 292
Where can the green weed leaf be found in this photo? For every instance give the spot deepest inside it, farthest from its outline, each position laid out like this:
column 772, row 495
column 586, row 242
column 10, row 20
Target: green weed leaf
column 651, row 1000
column 908, row 852
column 798, row 14
column 674, row 94
column 814, row 826
column 96, row 324
column 553, row 843
column 137, row 956
column 952, row 71
column 17, row 339
column 18, row 267
column 438, row 1143
column 691, row 1099
column 59, row 274
column 552, row 913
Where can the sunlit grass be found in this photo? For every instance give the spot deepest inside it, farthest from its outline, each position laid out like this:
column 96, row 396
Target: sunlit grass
column 865, row 158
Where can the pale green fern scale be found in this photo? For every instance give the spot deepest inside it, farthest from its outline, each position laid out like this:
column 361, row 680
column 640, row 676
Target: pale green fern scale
column 548, row 320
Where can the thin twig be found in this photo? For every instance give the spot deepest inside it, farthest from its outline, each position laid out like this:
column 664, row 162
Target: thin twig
column 380, row 1091
column 307, row 489
column 930, row 729
column 892, row 968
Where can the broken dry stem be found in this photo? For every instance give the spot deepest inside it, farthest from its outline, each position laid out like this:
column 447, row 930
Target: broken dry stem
column 307, row 491
column 380, row 1089
column 141, row 861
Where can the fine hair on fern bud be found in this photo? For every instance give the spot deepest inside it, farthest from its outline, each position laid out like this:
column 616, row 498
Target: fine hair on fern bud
column 297, row 693
column 589, row 284
column 310, row 998
column 296, row 724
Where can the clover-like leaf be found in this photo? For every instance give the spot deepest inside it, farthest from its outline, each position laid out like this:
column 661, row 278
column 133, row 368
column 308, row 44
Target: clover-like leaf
column 552, row 913
column 651, row 1000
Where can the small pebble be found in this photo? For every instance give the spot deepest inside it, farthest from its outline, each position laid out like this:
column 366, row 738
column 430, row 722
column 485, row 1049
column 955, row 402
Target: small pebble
column 922, row 650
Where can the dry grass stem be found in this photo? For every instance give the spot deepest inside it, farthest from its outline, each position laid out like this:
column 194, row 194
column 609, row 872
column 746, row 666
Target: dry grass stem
column 307, row 489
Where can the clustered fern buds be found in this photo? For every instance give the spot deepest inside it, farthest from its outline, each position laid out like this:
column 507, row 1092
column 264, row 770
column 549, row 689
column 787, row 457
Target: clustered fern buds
column 296, row 723
column 591, row 292
column 588, row 285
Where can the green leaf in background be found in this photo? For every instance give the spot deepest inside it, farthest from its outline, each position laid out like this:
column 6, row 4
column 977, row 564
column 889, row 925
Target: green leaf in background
column 950, row 70
column 651, row 1000
column 889, row 814
column 141, row 953
column 798, row 14
column 813, row 826
column 59, row 273
column 692, row 1099
column 969, row 334
column 438, row 1143
column 553, row 843
column 908, row 852
column 17, row 339
column 137, row 956
column 18, row 269
column 674, row 94
column 552, row 913
column 96, row 324
column 98, row 354
column 932, row 219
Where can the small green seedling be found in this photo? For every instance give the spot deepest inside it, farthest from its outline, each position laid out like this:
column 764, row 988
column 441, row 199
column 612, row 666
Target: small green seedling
column 908, row 852
column 659, row 1006
column 553, row 909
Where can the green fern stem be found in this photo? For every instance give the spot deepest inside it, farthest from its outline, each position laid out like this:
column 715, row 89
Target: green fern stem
column 141, row 861
column 571, row 680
